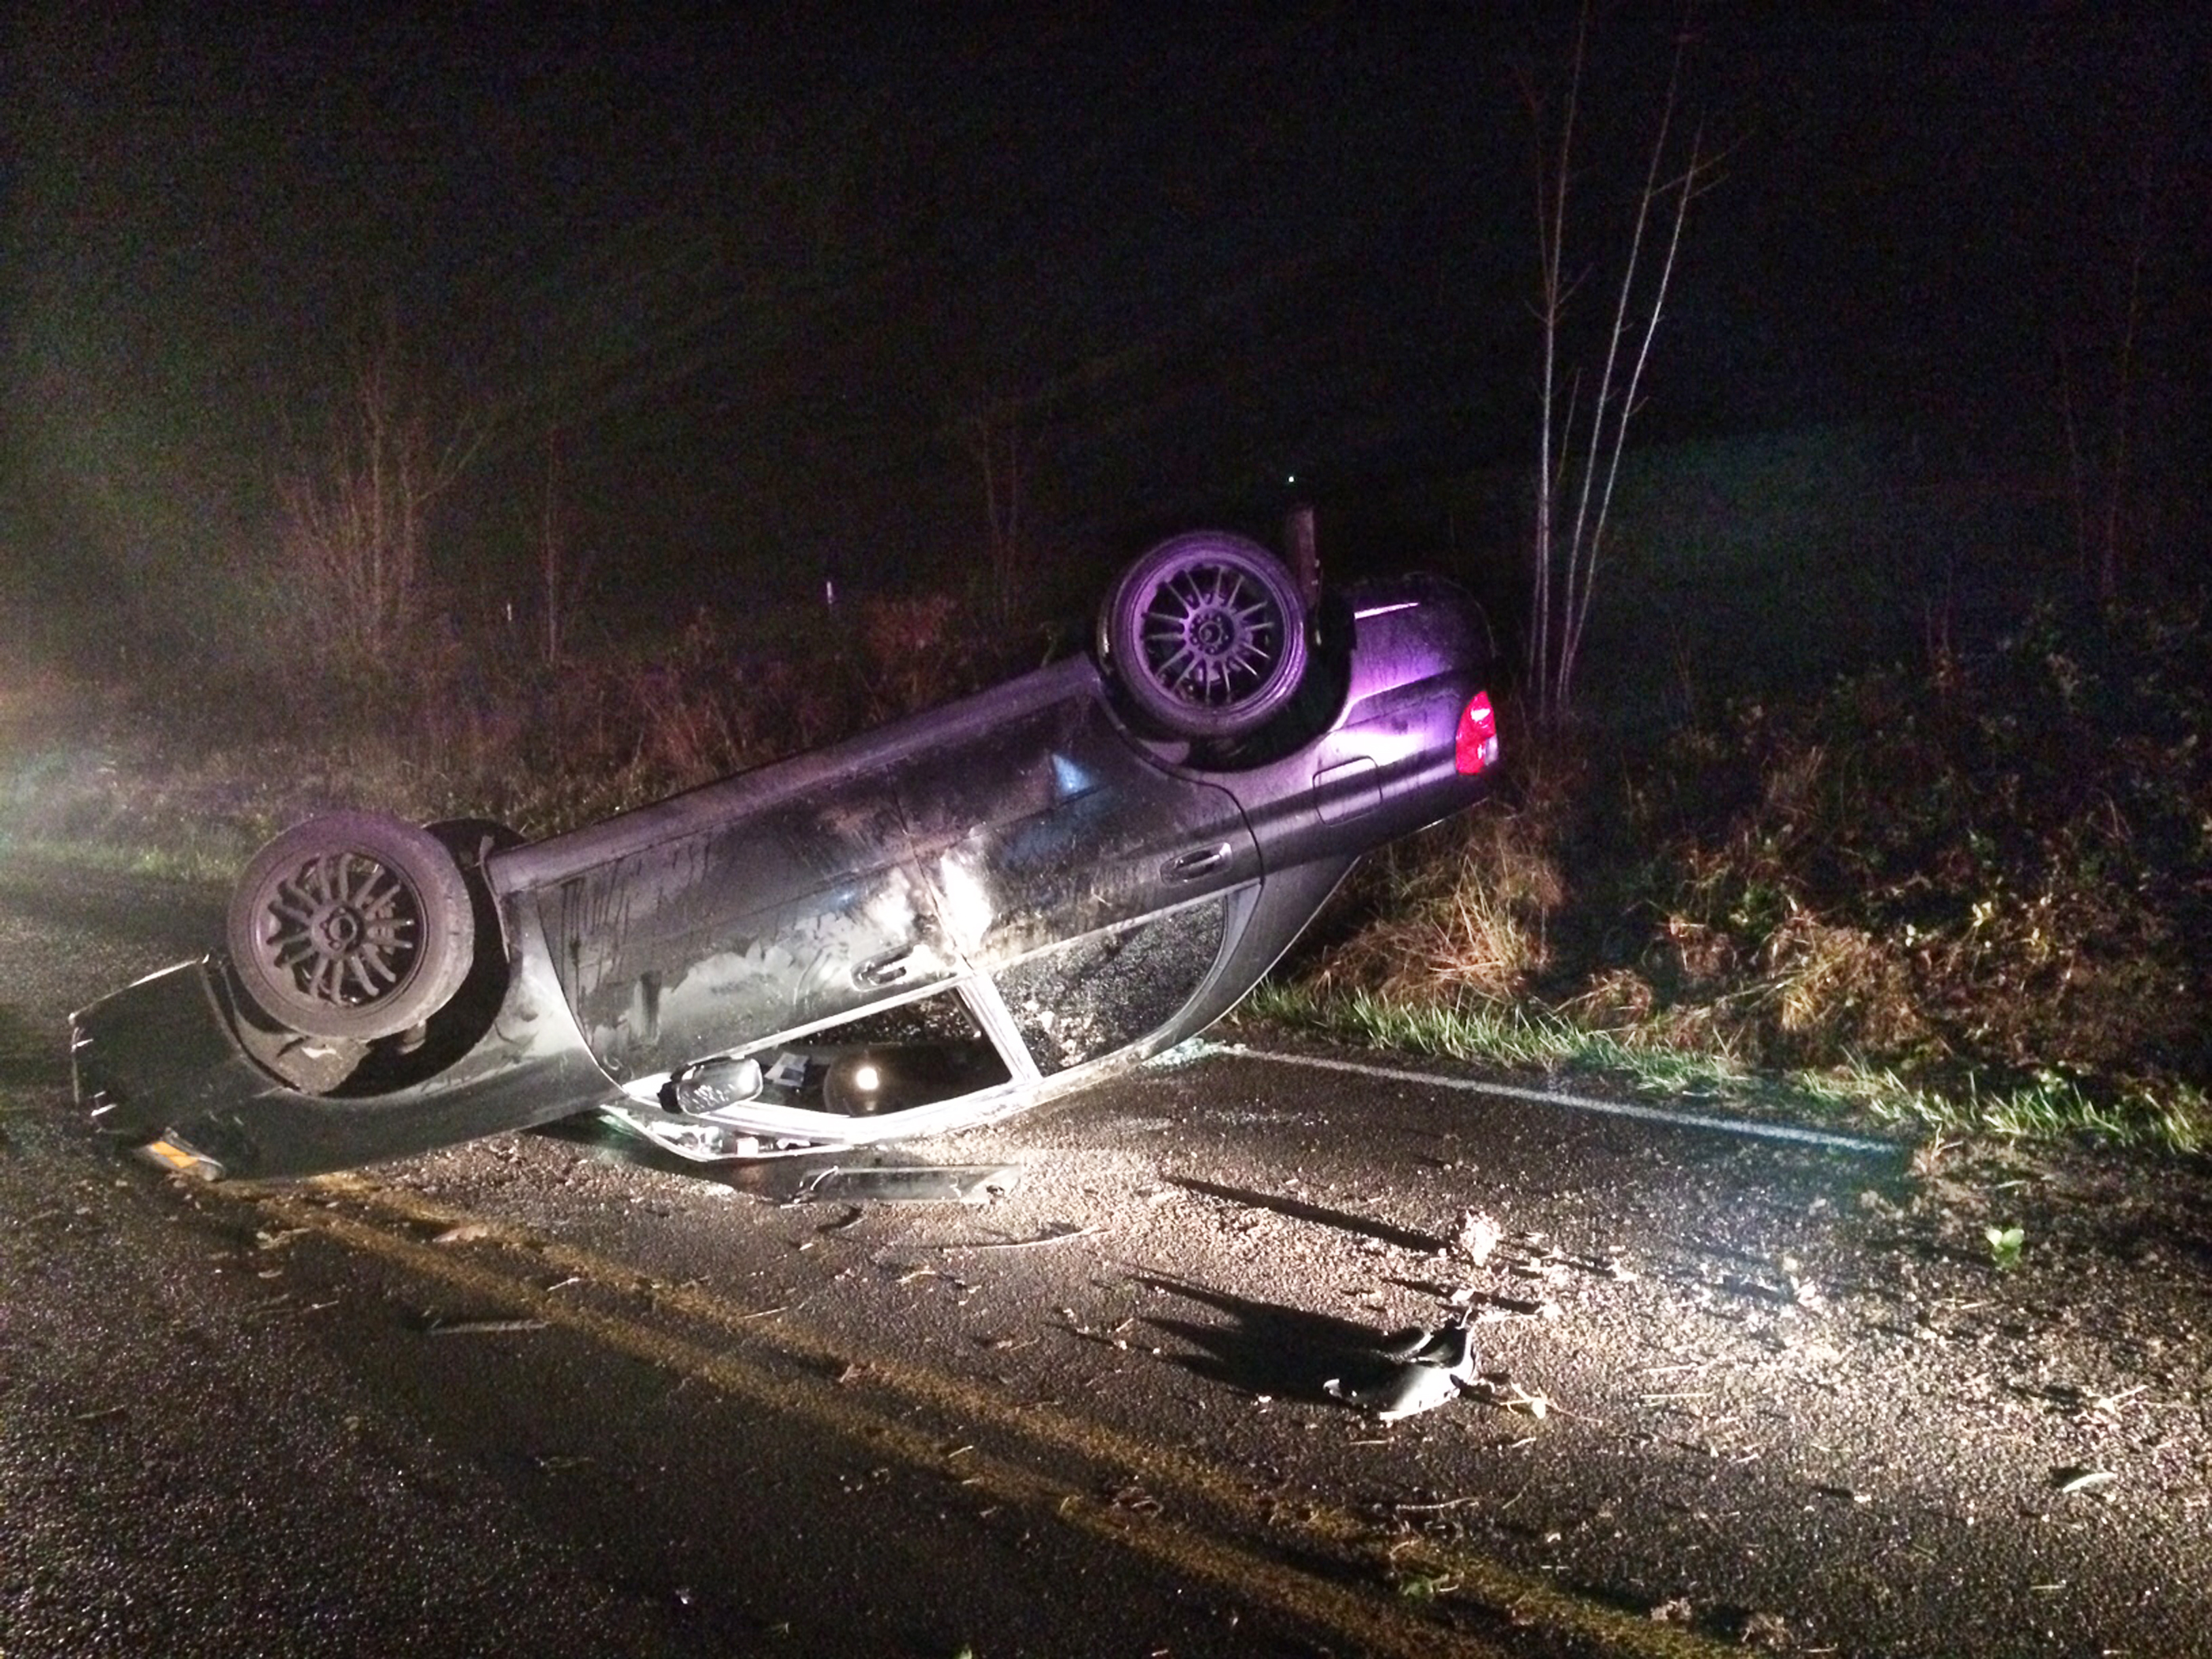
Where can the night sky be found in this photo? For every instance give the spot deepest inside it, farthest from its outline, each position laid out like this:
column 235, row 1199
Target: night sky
column 754, row 274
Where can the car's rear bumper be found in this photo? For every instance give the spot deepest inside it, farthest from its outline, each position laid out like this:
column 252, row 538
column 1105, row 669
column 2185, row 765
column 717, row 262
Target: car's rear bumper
column 158, row 1067
column 154, row 1056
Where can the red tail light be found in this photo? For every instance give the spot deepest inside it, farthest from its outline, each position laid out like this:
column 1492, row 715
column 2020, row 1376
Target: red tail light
column 1476, row 751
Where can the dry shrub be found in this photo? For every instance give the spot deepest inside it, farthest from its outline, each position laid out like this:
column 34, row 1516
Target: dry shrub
column 2001, row 868
column 1465, row 908
column 614, row 731
column 1626, row 1005
column 1835, row 990
column 915, row 650
column 352, row 534
column 2077, row 973
column 1704, row 954
column 2007, row 865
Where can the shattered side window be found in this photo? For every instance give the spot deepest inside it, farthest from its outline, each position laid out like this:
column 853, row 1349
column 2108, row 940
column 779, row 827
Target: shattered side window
column 943, row 1017
column 919, row 1054
column 1078, row 1001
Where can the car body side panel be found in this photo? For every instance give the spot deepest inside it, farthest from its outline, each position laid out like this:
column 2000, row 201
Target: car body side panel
column 1054, row 826
column 758, row 904
column 671, row 954
column 1387, row 766
column 1287, row 900
column 1080, row 999
column 795, row 781
column 995, row 837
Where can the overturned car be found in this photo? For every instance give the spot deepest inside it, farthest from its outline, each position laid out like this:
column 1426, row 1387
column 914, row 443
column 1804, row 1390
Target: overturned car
column 931, row 925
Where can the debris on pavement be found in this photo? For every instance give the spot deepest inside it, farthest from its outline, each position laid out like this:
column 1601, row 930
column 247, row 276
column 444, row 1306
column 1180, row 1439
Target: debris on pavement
column 1057, row 1233
column 911, row 1183
column 2079, row 1480
column 1411, row 1389
column 1497, row 1306
column 1478, row 1235
column 1423, row 1370
column 1503, row 1392
column 1447, row 1345
column 1189, row 1052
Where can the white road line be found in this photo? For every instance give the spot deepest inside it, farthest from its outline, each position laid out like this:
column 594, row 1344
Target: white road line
column 1861, row 1144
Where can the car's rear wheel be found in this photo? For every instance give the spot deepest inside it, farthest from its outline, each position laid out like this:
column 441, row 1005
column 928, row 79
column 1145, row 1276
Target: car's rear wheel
column 353, row 925
column 1206, row 635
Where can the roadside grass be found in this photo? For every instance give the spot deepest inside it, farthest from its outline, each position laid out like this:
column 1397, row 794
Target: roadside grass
column 1539, row 1040
column 1967, row 897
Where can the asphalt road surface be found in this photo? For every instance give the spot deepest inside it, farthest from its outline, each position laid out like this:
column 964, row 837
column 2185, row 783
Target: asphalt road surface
column 552, row 1394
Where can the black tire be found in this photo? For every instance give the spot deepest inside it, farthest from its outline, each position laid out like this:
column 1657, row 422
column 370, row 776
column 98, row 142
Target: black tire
column 351, row 925
column 1206, row 635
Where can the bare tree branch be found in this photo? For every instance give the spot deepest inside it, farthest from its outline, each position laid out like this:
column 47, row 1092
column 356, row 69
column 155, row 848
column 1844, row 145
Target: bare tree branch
column 1578, row 458
column 352, row 529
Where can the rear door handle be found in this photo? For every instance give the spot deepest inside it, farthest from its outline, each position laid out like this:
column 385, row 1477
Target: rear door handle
column 889, row 968
column 1198, row 863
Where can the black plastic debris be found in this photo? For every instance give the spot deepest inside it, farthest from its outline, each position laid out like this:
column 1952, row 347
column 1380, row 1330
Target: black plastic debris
column 1411, row 1371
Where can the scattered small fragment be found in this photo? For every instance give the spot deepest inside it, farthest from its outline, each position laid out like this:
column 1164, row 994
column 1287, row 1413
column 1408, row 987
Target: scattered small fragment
column 1478, row 1234
column 2108, row 1405
column 2079, row 1480
column 480, row 1326
column 1503, row 1391
column 1497, row 1307
column 1057, row 1233
column 912, row 1183
column 1189, row 1052
column 1764, row 1630
column 464, row 1232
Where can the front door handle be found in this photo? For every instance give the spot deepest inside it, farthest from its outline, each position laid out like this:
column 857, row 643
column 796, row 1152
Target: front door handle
column 1198, row 863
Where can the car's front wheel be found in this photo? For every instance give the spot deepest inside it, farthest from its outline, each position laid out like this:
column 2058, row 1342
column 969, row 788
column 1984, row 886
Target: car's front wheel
column 1207, row 634
column 353, row 925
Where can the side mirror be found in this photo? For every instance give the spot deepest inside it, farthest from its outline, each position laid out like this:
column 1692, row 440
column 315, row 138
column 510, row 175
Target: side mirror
column 712, row 1085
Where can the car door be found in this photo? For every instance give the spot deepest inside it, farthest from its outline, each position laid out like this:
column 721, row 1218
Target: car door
column 1047, row 832
column 778, row 914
